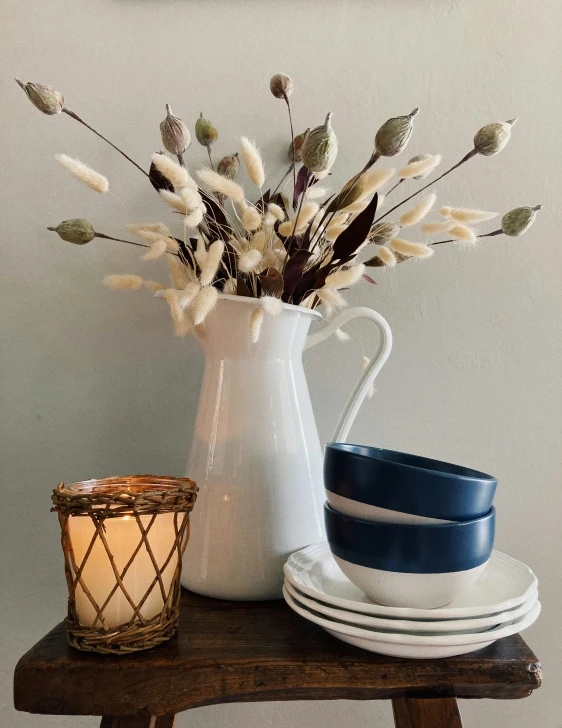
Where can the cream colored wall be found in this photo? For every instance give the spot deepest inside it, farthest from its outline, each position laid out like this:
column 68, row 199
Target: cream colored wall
column 93, row 382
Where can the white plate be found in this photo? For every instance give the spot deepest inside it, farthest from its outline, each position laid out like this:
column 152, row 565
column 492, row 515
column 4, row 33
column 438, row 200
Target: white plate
column 505, row 584
column 415, row 646
column 449, row 626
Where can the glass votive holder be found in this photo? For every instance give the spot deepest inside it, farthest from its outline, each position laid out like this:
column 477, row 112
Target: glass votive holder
column 123, row 540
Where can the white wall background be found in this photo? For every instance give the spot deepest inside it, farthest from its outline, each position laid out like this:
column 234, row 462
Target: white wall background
column 93, row 382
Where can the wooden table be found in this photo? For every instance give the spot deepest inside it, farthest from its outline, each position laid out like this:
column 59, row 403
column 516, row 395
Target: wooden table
column 228, row 652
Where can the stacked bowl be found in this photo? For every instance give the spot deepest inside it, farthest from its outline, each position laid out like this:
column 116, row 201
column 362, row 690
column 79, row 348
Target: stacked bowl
column 409, row 562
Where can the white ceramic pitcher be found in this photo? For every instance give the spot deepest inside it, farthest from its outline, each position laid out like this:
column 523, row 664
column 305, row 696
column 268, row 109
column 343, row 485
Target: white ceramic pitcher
column 255, row 453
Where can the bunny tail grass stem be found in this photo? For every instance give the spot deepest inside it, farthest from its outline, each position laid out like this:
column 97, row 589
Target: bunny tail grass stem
column 472, row 153
column 483, row 235
column 75, row 116
column 179, row 155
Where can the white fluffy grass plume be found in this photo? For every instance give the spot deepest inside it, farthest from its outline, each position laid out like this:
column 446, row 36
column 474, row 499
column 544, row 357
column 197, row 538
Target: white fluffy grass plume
column 412, row 250
column 126, row 281
column 462, row 214
column 157, row 250
column 345, row 277
column 203, row 303
column 177, row 174
column 249, row 260
column 387, row 256
column 417, row 213
column 421, row 168
column 148, row 229
column 253, row 161
column 431, row 228
column 251, row 218
column 212, row 262
column 462, row 233
column 374, row 179
column 221, row 184
column 82, row 172
column 256, row 322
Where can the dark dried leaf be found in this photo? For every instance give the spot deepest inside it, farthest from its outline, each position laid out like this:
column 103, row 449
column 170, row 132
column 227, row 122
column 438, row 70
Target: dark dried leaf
column 375, row 262
column 215, row 218
column 356, row 233
column 303, row 178
column 293, row 272
column 271, row 282
column 242, row 288
column 158, row 180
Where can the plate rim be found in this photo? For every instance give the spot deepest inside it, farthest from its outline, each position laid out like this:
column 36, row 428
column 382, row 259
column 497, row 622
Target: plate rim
column 420, row 640
column 410, row 626
column 409, row 612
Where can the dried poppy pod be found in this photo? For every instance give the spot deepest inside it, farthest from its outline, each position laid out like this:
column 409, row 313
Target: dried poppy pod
column 229, row 166
column 281, row 86
column 492, row 138
column 295, row 148
column 175, row 134
column 320, row 147
column 77, row 231
column 518, row 221
column 205, row 132
column 45, row 98
column 394, row 134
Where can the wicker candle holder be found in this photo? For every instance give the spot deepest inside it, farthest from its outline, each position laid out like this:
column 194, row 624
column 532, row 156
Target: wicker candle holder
column 123, row 540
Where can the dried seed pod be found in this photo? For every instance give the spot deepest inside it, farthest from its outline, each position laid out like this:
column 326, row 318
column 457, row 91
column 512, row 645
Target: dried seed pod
column 297, row 147
column 229, row 166
column 492, row 138
column 518, row 221
column 45, row 98
column 175, row 134
column 205, row 132
column 394, row 134
column 77, row 231
column 281, row 86
column 320, row 147
column 382, row 232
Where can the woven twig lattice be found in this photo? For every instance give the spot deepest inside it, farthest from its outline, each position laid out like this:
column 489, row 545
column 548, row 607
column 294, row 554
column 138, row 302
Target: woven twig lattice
column 139, row 498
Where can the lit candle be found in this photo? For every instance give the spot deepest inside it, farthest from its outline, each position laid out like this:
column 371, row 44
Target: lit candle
column 123, row 536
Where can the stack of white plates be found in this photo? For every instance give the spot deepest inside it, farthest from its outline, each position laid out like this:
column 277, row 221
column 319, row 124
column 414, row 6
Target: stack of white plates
column 502, row 602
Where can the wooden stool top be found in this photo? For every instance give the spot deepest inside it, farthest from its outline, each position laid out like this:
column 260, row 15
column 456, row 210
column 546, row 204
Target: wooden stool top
column 253, row 651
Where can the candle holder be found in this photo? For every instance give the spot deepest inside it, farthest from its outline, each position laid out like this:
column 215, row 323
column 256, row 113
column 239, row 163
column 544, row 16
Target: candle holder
column 123, row 540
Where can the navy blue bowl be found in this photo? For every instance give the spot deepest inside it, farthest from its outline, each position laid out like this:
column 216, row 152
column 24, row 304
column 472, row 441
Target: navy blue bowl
column 411, row 548
column 407, row 483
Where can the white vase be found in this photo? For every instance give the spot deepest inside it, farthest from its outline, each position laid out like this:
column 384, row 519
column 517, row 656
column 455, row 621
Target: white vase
column 255, row 451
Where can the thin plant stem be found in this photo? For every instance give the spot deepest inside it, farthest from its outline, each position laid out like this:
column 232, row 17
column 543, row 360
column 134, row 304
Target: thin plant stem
column 292, row 140
column 70, row 113
column 375, row 156
column 179, row 155
column 395, row 186
column 287, row 173
column 456, row 240
column 210, row 158
column 466, row 157
column 118, row 240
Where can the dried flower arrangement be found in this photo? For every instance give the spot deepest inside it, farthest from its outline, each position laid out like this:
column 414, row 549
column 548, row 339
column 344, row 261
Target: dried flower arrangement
column 301, row 248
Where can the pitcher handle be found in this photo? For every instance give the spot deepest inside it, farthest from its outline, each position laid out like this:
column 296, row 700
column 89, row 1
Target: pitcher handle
column 368, row 376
